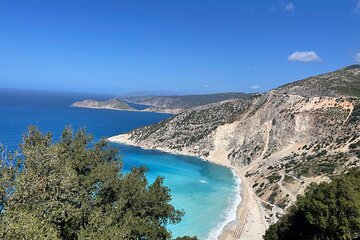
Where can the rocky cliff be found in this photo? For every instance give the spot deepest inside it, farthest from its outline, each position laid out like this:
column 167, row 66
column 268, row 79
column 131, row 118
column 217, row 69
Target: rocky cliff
column 282, row 140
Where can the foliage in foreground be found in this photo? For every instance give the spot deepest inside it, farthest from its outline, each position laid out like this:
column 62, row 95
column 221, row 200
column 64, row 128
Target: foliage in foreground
column 73, row 189
column 326, row 211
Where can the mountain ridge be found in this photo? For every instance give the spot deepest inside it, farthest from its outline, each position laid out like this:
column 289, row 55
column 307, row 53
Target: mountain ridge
column 280, row 141
column 342, row 82
column 187, row 101
column 166, row 104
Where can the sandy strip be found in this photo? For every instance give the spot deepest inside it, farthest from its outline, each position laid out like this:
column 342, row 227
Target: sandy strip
column 250, row 222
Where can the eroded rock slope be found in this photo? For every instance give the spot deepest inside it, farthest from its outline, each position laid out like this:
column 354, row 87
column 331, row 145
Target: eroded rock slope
column 283, row 140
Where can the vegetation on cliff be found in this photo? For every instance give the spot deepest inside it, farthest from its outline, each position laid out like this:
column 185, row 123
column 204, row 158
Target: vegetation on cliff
column 342, row 82
column 326, row 211
column 187, row 101
column 166, row 104
column 74, row 189
column 289, row 137
column 189, row 127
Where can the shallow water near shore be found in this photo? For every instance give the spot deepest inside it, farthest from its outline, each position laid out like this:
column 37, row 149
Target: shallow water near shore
column 205, row 191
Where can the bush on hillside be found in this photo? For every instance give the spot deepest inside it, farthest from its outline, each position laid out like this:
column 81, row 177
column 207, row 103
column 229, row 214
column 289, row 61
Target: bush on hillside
column 326, row 211
column 74, row 189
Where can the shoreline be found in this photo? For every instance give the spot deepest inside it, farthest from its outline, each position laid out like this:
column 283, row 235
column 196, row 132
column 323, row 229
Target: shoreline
column 247, row 225
column 231, row 210
column 169, row 111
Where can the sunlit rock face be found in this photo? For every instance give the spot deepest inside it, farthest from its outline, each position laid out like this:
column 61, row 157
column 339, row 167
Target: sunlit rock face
column 283, row 140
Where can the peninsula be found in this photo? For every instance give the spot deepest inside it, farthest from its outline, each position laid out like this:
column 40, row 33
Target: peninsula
column 113, row 104
column 165, row 104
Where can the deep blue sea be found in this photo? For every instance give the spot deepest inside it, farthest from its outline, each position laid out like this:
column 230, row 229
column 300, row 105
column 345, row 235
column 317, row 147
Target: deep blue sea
column 208, row 193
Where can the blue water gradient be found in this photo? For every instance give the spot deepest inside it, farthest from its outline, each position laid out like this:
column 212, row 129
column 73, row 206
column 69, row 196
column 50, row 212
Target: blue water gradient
column 205, row 191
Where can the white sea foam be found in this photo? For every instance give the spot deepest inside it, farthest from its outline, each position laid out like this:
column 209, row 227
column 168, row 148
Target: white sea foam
column 203, row 181
column 230, row 211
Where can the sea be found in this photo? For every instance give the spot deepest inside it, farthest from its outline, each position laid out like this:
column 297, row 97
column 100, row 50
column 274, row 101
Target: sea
column 208, row 193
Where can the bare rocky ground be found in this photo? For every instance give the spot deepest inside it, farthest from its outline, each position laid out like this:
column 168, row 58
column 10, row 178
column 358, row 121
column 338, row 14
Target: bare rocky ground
column 280, row 142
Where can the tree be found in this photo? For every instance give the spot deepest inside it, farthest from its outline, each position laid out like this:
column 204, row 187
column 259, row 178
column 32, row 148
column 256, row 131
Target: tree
column 326, row 211
column 9, row 167
column 74, row 189
column 187, row 238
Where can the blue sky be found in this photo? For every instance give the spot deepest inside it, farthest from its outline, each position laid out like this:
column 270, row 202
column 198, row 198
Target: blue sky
column 183, row 46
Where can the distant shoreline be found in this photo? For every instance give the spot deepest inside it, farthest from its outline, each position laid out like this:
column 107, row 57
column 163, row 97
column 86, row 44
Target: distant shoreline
column 168, row 111
column 164, row 104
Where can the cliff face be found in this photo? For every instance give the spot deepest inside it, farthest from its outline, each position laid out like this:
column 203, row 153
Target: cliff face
column 282, row 140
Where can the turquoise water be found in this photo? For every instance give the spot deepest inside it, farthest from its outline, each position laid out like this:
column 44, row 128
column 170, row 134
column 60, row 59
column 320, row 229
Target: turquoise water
column 205, row 191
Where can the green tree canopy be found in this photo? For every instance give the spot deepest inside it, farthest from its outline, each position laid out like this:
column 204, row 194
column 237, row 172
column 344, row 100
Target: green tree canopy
column 74, row 189
column 327, row 211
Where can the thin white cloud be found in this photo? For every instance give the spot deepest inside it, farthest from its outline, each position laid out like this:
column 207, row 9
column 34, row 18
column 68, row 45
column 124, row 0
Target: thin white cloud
column 273, row 9
column 357, row 57
column 254, row 87
column 289, row 7
column 305, row 56
column 357, row 8
column 205, row 86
